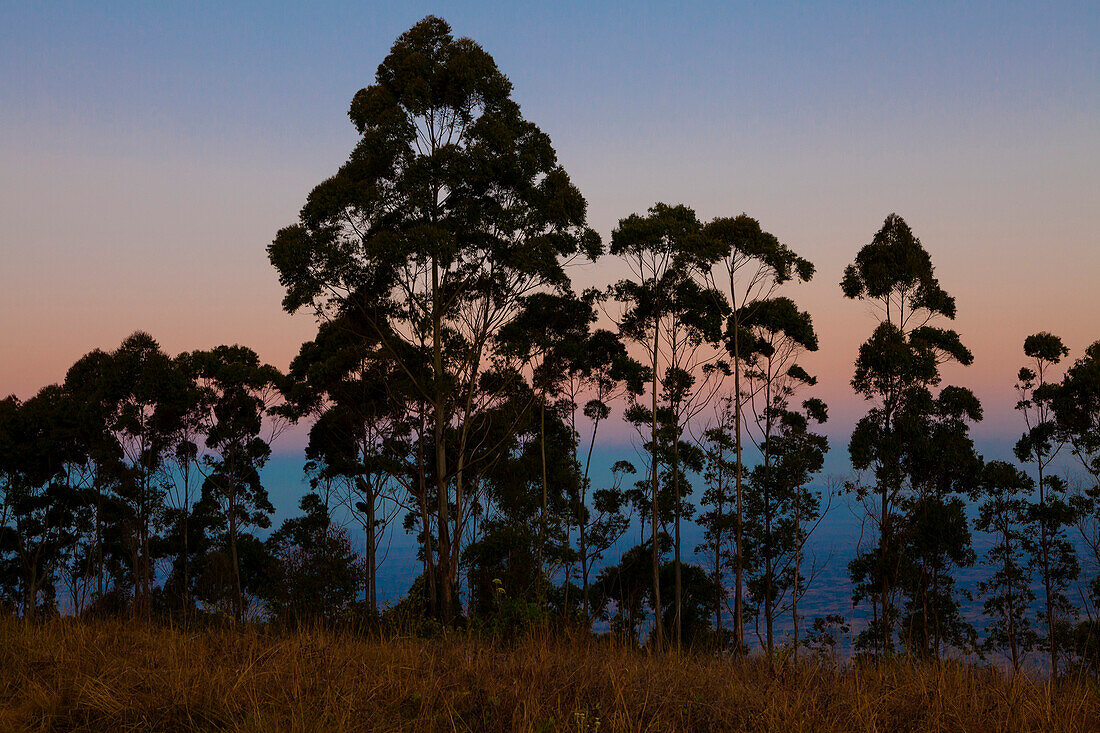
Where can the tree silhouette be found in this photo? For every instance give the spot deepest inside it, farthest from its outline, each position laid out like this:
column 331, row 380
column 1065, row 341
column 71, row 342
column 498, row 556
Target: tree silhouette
column 1004, row 512
column 450, row 208
column 665, row 250
column 1040, row 444
column 899, row 362
column 752, row 265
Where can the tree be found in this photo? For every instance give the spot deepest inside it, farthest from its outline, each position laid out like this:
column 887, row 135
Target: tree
column 363, row 433
column 718, row 521
column 753, row 264
column 598, row 367
column 778, row 333
column 243, row 392
column 799, row 454
column 665, row 251
column 1076, row 405
column 1004, row 512
column 1077, row 412
column 544, row 338
column 450, row 209
column 1039, row 446
column 899, row 362
column 314, row 572
column 40, row 505
column 137, row 397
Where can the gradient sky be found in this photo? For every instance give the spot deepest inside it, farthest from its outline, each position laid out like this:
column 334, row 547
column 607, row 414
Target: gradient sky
column 148, row 155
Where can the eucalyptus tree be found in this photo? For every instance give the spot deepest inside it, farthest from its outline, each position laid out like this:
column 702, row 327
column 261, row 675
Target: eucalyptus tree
column 136, row 396
column 775, row 334
column 1076, row 406
column 752, row 266
column 800, row 454
column 901, row 360
column 450, row 208
column 363, row 433
column 1004, row 493
column 941, row 462
column 183, row 476
column 1053, row 556
column 243, row 393
column 41, row 503
column 666, row 251
column 598, row 367
column 1077, row 411
column 89, row 381
column 542, row 340
column 717, row 520
column 521, row 535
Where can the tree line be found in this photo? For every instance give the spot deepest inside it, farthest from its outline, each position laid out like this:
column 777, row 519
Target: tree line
column 456, row 389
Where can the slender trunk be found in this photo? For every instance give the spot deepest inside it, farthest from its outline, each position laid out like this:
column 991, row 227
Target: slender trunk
column 739, row 567
column 676, row 485
column 768, row 584
column 1010, row 610
column 372, row 557
column 99, row 538
column 675, row 410
column 797, row 569
column 884, row 581
column 583, row 519
column 445, row 595
column 238, row 597
column 186, row 545
column 769, row 510
column 425, row 518
column 1044, row 542
column 720, row 512
column 658, row 626
column 542, row 511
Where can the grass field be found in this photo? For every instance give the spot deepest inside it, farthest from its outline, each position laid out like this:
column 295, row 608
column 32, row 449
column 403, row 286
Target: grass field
column 114, row 676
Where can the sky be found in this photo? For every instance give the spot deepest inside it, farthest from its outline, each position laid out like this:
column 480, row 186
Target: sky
column 149, row 152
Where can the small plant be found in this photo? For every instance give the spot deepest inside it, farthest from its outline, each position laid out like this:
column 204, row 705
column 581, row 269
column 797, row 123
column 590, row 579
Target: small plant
column 824, row 637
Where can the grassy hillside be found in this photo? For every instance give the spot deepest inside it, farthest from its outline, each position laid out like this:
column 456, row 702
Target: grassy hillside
column 115, row 676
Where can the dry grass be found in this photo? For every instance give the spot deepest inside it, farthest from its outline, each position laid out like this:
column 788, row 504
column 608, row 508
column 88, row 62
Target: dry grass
column 113, row 676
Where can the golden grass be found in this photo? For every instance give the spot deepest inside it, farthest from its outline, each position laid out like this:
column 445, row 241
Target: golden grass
column 113, row 676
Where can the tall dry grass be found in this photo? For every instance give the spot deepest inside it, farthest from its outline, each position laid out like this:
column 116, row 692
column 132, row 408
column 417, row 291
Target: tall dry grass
column 112, row 676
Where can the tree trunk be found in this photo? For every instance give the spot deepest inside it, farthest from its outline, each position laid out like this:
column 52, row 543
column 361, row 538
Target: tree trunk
column 445, row 595
column 542, row 511
column 797, row 568
column 739, row 567
column 658, row 626
column 425, row 519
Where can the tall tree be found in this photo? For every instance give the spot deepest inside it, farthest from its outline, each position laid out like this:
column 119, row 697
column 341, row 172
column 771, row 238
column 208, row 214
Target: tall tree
column 363, row 433
column 450, row 208
column 670, row 313
column 1004, row 494
column 779, row 333
column 40, row 501
column 752, row 266
column 1039, row 446
column 243, row 393
column 718, row 521
column 138, row 396
column 939, row 458
column 599, row 368
column 901, row 359
column 1076, row 406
